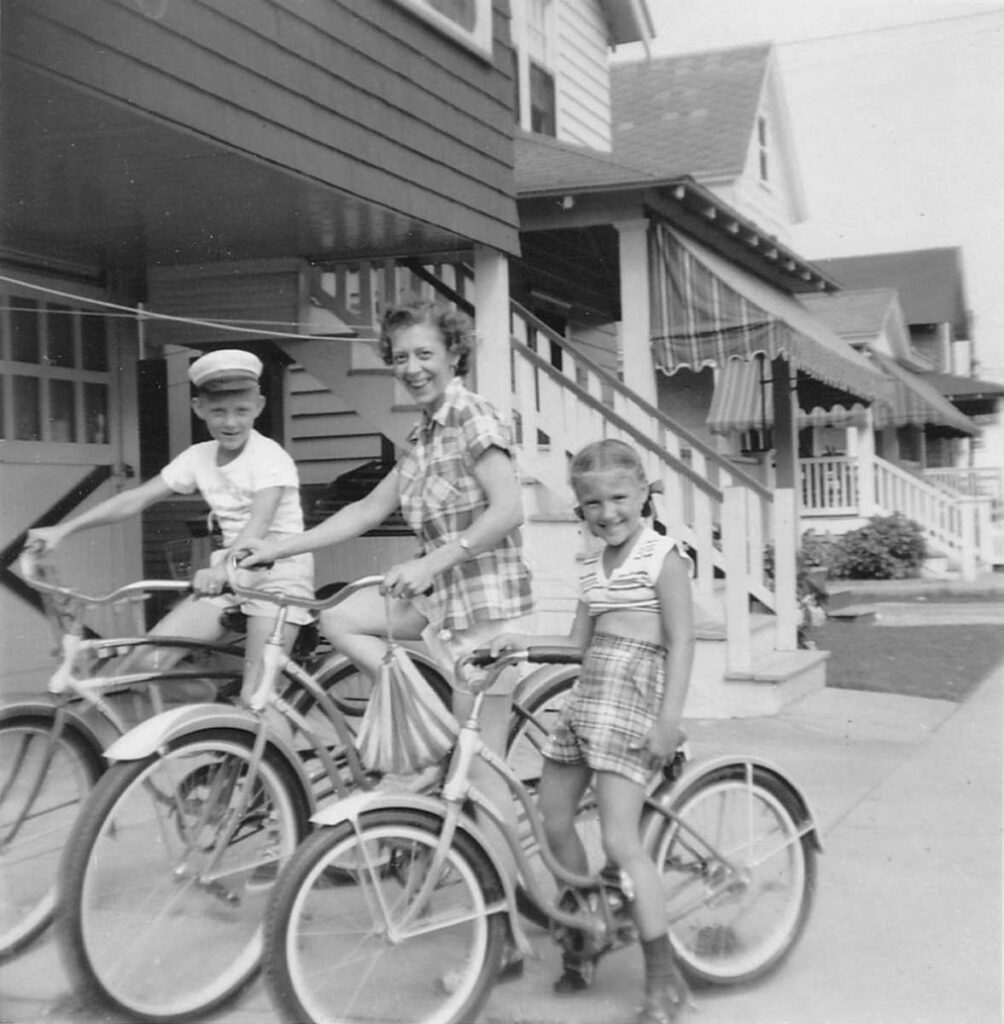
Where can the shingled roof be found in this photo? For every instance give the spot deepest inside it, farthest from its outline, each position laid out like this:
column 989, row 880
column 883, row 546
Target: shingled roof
column 692, row 114
column 929, row 282
column 853, row 314
column 543, row 164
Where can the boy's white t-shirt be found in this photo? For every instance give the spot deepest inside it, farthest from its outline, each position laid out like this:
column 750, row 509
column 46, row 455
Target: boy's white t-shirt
column 230, row 489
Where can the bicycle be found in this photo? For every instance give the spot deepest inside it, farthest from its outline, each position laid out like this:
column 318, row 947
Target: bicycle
column 394, row 891
column 51, row 742
column 188, row 825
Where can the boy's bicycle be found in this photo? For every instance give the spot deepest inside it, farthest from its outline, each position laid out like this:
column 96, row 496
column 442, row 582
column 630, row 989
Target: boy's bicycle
column 397, row 891
column 51, row 742
column 167, row 870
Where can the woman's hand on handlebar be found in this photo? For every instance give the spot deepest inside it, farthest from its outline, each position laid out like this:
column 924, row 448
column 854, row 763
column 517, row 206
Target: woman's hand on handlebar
column 408, row 580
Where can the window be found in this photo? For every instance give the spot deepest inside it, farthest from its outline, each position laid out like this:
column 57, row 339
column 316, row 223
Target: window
column 762, row 148
column 542, row 102
column 468, row 21
column 534, row 33
column 54, row 372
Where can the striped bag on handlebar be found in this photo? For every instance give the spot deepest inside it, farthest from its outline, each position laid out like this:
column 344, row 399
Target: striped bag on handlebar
column 405, row 726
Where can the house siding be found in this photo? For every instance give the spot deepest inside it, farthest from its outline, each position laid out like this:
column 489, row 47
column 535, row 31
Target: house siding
column 583, row 75
column 354, row 94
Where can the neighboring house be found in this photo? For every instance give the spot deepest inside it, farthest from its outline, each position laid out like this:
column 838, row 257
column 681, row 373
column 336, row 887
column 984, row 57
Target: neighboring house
column 930, row 287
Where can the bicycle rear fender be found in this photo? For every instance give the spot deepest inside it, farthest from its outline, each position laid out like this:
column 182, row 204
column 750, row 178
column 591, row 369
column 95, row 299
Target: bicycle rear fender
column 667, row 794
column 355, row 805
column 45, row 706
column 152, row 734
column 541, row 676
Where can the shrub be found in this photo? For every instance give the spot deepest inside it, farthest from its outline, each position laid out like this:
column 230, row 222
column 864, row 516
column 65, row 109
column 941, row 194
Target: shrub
column 888, row 548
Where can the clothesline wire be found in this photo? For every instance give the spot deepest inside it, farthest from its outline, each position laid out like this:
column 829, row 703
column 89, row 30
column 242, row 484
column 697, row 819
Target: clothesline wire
column 147, row 314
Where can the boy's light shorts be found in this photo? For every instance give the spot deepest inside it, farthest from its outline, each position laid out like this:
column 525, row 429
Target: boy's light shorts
column 293, row 576
column 446, row 645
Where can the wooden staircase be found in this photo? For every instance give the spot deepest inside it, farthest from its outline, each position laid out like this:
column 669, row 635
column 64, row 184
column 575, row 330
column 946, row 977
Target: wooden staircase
column 746, row 662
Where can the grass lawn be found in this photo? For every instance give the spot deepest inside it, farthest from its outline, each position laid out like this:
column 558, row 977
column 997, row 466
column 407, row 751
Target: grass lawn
column 944, row 662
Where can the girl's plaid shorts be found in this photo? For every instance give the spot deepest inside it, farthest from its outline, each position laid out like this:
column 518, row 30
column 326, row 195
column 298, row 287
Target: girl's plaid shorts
column 611, row 708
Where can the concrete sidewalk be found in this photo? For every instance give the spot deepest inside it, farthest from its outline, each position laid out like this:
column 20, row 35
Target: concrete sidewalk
column 906, row 927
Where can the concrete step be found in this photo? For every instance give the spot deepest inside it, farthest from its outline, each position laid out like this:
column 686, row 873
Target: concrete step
column 774, row 681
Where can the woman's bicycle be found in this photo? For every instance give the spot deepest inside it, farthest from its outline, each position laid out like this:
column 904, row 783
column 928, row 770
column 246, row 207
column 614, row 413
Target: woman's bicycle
column 167, row 870
column 396, row 891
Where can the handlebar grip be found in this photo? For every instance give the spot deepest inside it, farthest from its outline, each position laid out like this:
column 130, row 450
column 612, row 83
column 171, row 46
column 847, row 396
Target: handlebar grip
column 482, row 656
column 554, row 655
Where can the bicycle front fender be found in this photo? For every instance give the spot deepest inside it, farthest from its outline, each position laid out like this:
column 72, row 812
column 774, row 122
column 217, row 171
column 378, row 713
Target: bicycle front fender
column 543, row 676
column 46, row 706
column 155, row 733
column 356, row 805
column 667, row 795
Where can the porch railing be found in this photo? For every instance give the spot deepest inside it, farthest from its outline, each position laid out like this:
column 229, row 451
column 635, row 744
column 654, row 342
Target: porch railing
column 956, row 525
column 566, row 399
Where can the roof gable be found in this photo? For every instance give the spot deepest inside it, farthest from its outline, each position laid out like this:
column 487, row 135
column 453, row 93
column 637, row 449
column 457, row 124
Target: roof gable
column 929, row 282
column 692, row 114
column 866, row 317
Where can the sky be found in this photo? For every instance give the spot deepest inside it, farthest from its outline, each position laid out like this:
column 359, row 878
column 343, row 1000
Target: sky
column 897, row 110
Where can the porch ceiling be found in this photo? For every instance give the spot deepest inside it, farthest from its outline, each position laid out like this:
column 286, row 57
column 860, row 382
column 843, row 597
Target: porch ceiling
column 96, row 185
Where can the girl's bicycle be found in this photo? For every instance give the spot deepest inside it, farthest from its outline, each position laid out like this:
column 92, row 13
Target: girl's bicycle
column 167, row 870
column 396, row 891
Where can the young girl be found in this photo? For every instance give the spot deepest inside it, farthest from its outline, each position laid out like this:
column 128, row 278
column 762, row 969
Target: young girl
column 621, row 722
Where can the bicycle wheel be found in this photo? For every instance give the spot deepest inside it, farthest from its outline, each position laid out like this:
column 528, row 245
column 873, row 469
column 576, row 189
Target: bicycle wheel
column 151, row 921
column 342, row 944
column 729, row 927
column 44, row 780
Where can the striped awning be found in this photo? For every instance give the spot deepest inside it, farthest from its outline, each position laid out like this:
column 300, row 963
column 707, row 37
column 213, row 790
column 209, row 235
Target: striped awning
column 706, row 311
column 916, row 401
column 743, row 388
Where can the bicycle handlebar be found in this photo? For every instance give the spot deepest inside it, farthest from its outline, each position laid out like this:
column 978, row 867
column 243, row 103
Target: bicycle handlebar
column 28, row 562
column 482, row 657
column 311, row 603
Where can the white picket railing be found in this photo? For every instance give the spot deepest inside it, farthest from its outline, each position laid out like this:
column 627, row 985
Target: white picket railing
column 956, row 524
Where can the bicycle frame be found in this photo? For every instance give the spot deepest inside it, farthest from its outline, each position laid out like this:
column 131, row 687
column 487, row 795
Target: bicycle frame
column 458, row 791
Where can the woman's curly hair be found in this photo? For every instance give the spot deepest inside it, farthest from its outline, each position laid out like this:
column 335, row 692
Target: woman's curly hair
column 456, row 328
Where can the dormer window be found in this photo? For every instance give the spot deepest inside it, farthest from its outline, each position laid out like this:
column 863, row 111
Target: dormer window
column 762, row 149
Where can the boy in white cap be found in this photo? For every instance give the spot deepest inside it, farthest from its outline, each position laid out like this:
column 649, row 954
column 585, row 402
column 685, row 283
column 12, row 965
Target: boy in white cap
column 252, row 488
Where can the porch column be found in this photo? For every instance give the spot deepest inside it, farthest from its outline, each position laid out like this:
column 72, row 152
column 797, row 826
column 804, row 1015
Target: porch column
column 786, row 504
column 493, row 377
column 636, row 325
column 864, row 450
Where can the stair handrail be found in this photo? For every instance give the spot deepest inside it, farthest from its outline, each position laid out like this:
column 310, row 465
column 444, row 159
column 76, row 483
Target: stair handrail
column 692, row 440
column 622, row 424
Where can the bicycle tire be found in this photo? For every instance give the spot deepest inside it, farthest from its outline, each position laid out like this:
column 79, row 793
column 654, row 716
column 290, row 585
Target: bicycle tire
column 139, row 927
column 36, row 817
column 732, row 934
column 330, row 926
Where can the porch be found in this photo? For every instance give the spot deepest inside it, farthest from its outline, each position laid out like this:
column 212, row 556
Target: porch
column 960, row 511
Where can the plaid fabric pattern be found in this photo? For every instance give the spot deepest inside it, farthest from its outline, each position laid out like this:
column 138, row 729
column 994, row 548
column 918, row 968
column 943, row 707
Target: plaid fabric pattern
column 611, row 708
column 440, row 498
